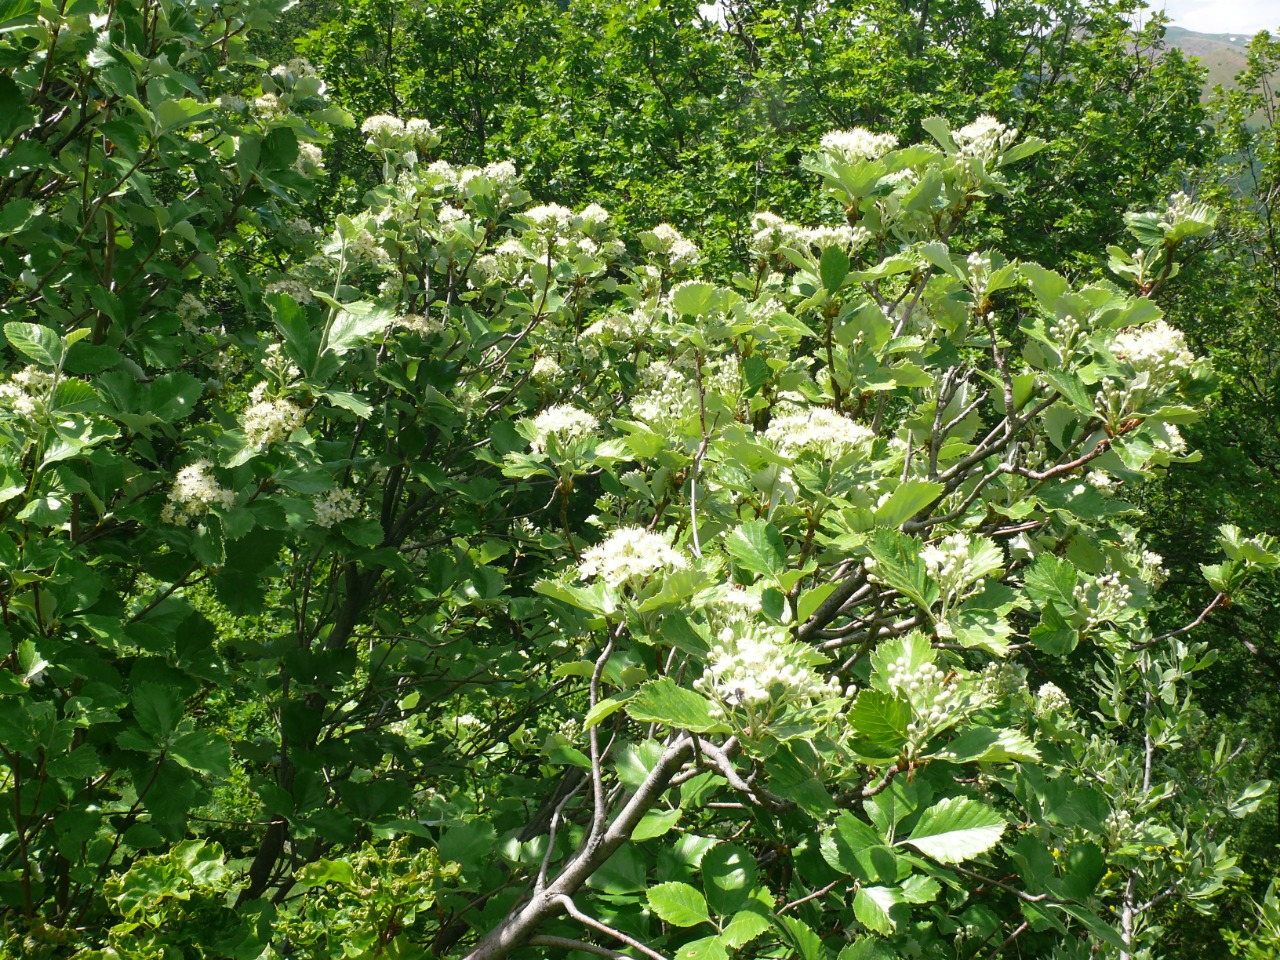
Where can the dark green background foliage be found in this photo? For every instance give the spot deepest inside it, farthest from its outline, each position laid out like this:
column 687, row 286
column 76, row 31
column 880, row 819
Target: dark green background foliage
column 304, row 651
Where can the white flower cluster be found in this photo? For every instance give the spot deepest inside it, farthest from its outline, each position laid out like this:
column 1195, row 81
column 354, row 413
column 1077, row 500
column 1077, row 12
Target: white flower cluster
column 1050, row 700
column 1157, row 350
column 268, row 107
column 298, row 291
column 671, row 243
column 25, row 389
column 334, row 506
column 937, row 700
column 755, row 668
column 551, row 217
column 194, row 491
column 1151, row 569
column 233, row 103
column 270, row 420
column 297, row 66
column 630, row 556
column 819, row 430
column 850, row 146
column 1105, row 599
column 985, row 138
column 952, row 564
column 419, row 324
column 565, row 422
column 310, row 162
column 621, row 326
column 545, row 370
column 849, row 239
column 667, row 398
column 770, row 233
column 391, row 133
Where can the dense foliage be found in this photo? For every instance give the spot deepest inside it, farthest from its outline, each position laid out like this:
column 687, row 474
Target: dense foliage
column 414, row 544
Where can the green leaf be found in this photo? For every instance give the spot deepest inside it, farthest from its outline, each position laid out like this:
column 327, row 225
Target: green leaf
column 833, row 268
column 807, row 944
column 878, row 724
column 655, row 823
column 868, row 948
column 985, row 745
column 16, row 14
column 956, row 829
column 873, row 907
column 906, row 501
column 678, row 904
column 355, row 324
column 662, row 701
column 758, row 547
column 728, row 874
column 173, row 114
column 38, row 343
column 693, row 298
column 744, row 927
column 324, row 872
column 704, row 948
column 605, row 708
column 203, row 751
column 157, row 709
column 856, row 848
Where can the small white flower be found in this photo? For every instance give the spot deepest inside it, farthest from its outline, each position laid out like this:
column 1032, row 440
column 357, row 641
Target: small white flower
column 857, row 144
column 819, row 430
column 194, row 491
column 310, row 162
column 270, row 421
column 564, row 422
column 551, row 217
column 1050, row 699
column 334, row 506
column 545, row 369
column 630, row 556
column 296, row 289
column 1157, row 349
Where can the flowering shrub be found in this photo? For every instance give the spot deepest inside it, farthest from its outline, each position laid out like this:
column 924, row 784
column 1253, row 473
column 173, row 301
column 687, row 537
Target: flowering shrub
column 493, row 583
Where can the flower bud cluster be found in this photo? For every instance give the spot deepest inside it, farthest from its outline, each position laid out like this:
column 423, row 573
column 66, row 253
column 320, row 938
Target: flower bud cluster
column 937, row 700
column 754, row 668
column 851, row 146
column 630, row 556
column 1157, row 351
column 1050, row 699
column 951, row 564
column 194, row 491
column 270, row 419
column 1106, row 599
column 667, row 397
column 26, row 389
column 1066, row 332
column 797, row 430
column 334, row 506
column 564, row 422
column 986, row 138
column 680, row 252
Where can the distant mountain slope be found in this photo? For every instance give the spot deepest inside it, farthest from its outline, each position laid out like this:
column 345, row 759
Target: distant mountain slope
column 1223, row 54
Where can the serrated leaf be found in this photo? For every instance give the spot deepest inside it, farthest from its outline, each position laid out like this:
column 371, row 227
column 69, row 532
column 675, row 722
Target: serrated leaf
column 655, row 823
column 662, row 701
column 744, row 927
column 678, row 904
column 878, row 723
column 873, row 907
column 758, row 546
column 693, row 298
column 37, row 342
column 906, row 501
column 833, row 268
column 728, row 874
column 605, row 708
column 956, row 829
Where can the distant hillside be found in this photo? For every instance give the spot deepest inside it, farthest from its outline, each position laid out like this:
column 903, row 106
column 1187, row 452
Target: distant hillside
column 1224, row 55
